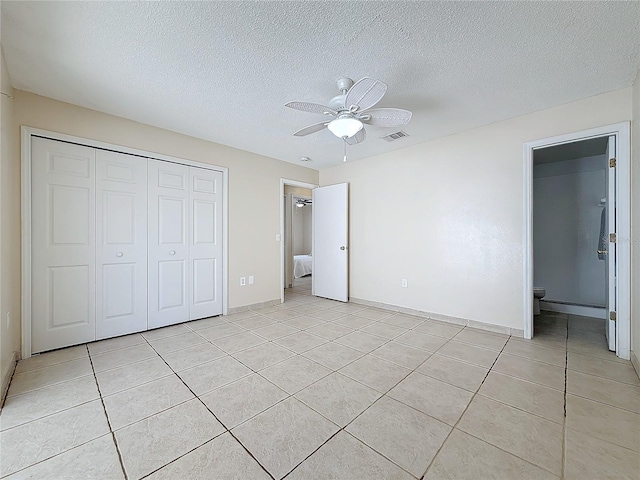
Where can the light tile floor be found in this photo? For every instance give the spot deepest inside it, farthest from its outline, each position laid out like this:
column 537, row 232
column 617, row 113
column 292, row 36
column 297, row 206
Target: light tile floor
column 326, row 390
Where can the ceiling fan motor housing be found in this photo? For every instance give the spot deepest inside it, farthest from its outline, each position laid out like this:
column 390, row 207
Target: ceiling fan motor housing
column 337, row 102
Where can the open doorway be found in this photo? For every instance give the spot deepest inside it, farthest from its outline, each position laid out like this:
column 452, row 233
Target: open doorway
column 578, row 210
column 297, row 238
column 570, row 256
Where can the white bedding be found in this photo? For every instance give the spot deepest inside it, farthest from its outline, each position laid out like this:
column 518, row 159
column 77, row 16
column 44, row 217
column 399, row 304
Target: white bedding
column 302, row 265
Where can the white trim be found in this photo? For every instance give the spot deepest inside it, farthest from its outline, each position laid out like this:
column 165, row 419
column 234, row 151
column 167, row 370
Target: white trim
column 463, row 322
column 636, row 363
column 622, row 132
column 25, row 155
column 6, row 378
column 26, row 241
column 581, row 310
column 527, row 258
column 291, row 183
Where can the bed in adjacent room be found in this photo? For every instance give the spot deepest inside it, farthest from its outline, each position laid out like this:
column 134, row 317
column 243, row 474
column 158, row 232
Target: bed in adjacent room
column 302, row 265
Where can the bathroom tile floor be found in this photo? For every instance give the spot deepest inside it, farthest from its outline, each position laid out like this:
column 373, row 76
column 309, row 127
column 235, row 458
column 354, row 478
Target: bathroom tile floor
column 326, row 390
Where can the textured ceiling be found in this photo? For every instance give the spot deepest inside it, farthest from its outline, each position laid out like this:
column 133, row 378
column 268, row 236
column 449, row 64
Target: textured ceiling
column 222, row 71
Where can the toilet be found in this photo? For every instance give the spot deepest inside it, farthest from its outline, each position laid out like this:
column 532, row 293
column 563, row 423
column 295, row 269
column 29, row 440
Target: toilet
column 538, row 294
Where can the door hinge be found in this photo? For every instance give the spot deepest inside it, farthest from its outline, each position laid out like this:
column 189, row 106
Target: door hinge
column 612, row 163
column 612, row 316
column 612, row 237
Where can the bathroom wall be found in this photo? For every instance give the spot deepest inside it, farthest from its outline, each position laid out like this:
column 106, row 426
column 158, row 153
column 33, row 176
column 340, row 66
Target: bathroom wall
column 566, row 228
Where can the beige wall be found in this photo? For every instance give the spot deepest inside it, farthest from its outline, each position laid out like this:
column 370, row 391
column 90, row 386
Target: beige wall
column 448, row 215
column 9, row 230
column 635, row 226
column 254, row 183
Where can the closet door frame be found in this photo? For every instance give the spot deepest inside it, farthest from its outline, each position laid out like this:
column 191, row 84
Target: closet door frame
column 25, row 156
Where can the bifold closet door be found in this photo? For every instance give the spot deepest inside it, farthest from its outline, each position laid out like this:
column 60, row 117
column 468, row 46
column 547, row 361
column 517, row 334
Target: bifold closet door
column 168, row 234
column 63, row 244
column 121, row 244
column 205, row 249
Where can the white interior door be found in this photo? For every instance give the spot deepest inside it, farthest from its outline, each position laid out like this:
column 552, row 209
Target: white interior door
column 610, row 260
column 168, row 236
column 330, row 242
column 121, row 244
column 63, row 244
column 205, row 241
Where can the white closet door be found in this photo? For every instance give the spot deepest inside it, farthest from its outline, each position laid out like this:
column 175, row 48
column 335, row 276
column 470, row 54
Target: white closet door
column 168, row 234
column 63, row 244
column 121, row 250
column 205, row 242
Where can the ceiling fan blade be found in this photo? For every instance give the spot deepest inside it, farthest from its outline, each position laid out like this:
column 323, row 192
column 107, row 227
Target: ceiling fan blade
column 357, row 138
column 311, row 108
column 386, row 117
column 316, row 127
column 365, row 93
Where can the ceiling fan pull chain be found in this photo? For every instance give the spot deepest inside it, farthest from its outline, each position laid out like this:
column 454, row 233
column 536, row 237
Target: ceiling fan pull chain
column 344, row 139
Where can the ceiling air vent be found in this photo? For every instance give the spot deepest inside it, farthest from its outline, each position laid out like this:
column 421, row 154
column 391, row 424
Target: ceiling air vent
column 395, row 136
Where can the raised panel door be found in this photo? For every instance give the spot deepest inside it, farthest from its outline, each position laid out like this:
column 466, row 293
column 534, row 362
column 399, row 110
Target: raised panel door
column 121, row 250
column 63, row 244
column 168, row 241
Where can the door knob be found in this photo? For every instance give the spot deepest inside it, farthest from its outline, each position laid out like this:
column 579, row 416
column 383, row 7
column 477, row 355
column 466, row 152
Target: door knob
column 172, row 252
column 343, row 248
column 119, row 254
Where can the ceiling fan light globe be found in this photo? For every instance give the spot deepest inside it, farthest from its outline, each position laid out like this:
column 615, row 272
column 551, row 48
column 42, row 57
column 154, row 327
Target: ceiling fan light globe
column 343, row 127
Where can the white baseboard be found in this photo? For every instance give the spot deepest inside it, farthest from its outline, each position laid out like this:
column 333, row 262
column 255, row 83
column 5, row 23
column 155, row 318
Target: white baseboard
column 6, row 379
column 580, row 310
column 635, row 362
column 253, row 306
column 489, row 327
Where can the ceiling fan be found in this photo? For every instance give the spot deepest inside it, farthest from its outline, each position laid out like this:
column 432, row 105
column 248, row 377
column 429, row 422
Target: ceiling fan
column 350, row 111
column 303, row 202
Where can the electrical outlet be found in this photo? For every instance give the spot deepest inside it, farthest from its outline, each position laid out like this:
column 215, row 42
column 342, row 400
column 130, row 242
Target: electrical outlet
column 8, row 320
column 243, row 281
column 405, row 283
column 251, row 280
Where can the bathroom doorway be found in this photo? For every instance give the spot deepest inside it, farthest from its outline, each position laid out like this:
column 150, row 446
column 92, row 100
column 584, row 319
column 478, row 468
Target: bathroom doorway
column 577, row 196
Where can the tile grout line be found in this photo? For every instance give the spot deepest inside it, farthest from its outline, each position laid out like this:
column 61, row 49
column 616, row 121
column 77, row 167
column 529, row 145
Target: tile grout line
column 383, row 394
column 314, row 451
column 104, row 408
column 465, row 411
column 343, row 428
column 181, row 456
column 564, row 419
column 227, row 430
